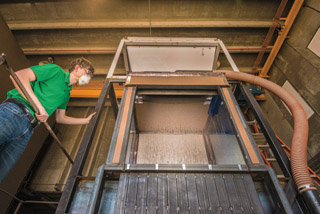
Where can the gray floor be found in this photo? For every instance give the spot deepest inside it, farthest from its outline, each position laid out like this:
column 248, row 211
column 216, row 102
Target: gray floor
column 164, row 148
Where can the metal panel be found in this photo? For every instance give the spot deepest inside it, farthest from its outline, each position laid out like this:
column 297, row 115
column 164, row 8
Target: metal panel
column 132, row 190
column 183, row 202
column 141, row 203
column 186, row 193
column 224, row 202
column 255, row 206
column 84, row 191
column 192, row 193
column 242, row 193
column 124, row 128
column 122, row 193
column 170, row 58
column 152, row 194
column 116, row 128
column 241, row 127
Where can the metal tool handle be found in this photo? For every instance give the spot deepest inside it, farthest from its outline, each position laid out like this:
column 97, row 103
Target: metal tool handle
column 17, row 80
column 25, row 93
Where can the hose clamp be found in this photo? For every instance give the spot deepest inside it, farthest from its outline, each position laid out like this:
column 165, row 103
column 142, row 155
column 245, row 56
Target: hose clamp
column 305, row 188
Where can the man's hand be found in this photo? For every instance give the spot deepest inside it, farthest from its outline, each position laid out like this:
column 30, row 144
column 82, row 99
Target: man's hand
column 90, row 117
column 62, row 118
column 42, row 116
column 26, row 76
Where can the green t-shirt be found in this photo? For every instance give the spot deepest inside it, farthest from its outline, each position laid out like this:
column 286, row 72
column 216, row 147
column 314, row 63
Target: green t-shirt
column 51, row 88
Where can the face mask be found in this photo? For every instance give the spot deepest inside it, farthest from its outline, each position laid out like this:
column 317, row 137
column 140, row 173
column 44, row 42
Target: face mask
column 84, row 79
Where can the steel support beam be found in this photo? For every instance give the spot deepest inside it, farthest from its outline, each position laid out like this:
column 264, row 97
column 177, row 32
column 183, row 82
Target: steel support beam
column 270, row 136
column 273, row 142
column 186, row 168
column 282, row 36
column 271, row 30
column 96, row 194
column 121, row 131
column 76, row 170
column 229, row 58
column 281, row 201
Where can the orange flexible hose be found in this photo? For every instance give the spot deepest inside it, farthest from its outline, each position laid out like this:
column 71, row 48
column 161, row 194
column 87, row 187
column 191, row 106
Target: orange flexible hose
column 288, row 150
column 299, row 141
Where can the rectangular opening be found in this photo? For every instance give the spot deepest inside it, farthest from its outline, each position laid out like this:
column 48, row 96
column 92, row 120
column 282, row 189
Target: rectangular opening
column 180, row 128
column 170, row 58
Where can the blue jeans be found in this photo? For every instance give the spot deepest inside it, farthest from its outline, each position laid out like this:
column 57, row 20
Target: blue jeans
column 15, row 132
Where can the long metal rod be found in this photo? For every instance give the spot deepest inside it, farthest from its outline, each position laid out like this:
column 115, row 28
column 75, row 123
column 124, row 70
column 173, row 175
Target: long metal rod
column 11, row 195
column 187, row 168
column 25, row 93
column 115, row 60
column 229, row 58
column 277, row 193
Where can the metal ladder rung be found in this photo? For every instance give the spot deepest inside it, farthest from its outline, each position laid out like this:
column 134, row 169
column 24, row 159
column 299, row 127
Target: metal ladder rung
column 251, row 122
column 282, row 176
column 271, row 159
column 267, row 146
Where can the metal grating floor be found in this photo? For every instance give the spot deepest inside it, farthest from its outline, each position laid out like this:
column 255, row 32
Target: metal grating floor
column 186, row 193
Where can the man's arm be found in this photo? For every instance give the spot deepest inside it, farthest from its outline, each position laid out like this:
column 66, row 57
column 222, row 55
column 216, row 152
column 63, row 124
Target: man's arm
column 61, row 117
column 26, row 76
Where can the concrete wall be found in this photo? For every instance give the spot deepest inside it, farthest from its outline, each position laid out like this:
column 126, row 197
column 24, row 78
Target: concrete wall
column 301, row 67
column 16, row 60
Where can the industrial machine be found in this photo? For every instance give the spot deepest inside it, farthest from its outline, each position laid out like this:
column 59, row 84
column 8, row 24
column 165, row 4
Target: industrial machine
column 181, row 143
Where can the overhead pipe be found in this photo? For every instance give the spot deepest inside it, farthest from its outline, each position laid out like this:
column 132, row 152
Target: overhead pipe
column 299, row 140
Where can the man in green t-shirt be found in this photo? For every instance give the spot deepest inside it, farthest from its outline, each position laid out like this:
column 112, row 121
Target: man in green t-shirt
column 49, row 88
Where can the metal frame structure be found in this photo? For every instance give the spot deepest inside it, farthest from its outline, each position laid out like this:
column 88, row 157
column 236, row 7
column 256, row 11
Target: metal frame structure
column 281, row 157
column 116, row 160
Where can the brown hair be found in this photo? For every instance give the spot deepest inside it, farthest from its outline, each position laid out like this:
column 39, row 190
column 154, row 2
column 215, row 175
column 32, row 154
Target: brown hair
column 83, row 63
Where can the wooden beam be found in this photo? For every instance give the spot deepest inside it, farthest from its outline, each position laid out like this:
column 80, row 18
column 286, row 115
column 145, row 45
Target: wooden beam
column 186, row 23
column 93, row 89
column 64, row 51
column 91, row 93
column 112, row 50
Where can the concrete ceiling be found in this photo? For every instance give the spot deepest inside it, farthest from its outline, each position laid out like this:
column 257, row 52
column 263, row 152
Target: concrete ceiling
column 68, row 29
